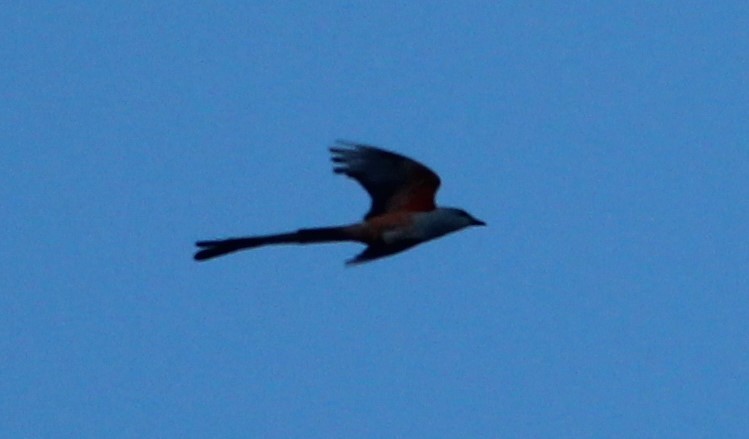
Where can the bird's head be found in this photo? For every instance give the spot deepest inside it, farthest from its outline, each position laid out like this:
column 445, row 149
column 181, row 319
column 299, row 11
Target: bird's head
column 444, row 220
column 463, row 218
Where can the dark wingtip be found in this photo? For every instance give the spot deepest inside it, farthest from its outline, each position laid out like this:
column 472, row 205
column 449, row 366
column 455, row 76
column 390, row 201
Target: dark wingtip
column 350, row 144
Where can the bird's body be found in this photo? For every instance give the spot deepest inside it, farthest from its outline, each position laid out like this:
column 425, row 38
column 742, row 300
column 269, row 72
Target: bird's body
column 403, row 212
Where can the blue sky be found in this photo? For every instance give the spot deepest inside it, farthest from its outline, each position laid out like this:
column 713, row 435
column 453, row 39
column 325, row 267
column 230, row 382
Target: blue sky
column 605, row 143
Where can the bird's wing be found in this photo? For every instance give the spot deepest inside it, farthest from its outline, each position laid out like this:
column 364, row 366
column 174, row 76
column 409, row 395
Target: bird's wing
column 395, row 182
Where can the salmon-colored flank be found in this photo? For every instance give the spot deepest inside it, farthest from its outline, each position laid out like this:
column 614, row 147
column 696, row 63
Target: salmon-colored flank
column 372, row 229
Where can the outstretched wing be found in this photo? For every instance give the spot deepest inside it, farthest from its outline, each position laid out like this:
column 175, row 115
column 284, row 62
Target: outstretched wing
column 395, row 182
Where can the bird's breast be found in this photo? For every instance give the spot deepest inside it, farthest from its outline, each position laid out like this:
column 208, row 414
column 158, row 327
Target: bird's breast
column 396, row 227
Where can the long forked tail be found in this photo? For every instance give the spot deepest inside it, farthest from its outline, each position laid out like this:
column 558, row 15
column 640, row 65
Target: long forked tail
column 220, row 247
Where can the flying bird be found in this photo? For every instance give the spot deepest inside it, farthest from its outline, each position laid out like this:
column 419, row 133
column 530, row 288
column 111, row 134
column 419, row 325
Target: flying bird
column 402, row 215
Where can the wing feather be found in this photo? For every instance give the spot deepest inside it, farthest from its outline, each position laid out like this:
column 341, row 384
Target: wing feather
column 393, row 181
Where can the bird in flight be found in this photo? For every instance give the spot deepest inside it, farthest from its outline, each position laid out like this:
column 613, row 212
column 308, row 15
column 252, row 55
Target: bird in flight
column 402, row 215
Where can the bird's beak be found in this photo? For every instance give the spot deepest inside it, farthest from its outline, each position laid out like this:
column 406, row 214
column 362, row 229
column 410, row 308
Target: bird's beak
column 478, row 222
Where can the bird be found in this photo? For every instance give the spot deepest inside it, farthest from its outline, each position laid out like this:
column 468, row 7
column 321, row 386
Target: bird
column 402, row 214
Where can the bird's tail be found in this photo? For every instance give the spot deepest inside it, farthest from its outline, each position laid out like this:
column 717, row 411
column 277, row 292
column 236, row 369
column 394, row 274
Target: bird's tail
column 220, row 247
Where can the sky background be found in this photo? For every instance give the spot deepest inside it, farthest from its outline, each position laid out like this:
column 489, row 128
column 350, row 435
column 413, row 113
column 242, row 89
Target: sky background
column 606, row 144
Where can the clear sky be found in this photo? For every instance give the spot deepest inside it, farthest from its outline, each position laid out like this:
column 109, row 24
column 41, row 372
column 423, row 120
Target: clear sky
column 605, row 143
